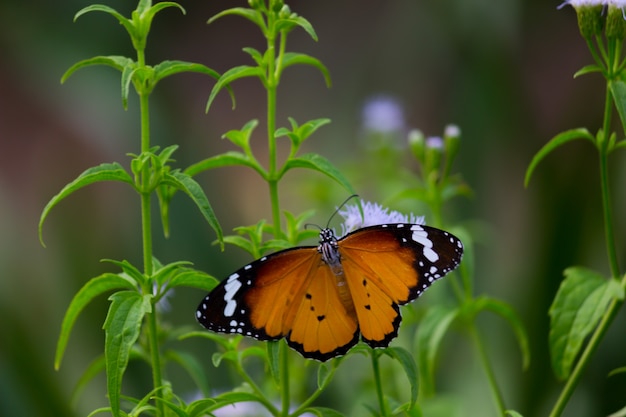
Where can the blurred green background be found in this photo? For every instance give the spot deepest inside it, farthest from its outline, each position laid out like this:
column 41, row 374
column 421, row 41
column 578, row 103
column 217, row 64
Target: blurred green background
column 500, row 70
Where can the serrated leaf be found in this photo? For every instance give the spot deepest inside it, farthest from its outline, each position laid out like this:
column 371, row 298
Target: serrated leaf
column 231, row 75
column 618, row 91
column 190, row 187
column 122, row 327
column 318, row 163
column 104, row 172
column 93, row 288
column 407, row 361
column 560, row 139
column 114, row 61
column 430, row 332
column 507, row 312
column 580, row 303
column 294, row 58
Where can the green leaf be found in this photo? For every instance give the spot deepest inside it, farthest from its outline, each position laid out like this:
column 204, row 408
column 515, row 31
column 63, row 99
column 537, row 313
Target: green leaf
column 325, row 373
column 167, row 68
column 241, row 138
column 554, row 143
column 231, row 158
column 323, row 412
column 299, row 134
column 188, row 185
column 93, row 288
column 430, row 332
column 294, row 58
column 273, row 359
column 318, row 163
column 618, row 91
column 231, row 75
column 580, row 303
column 256, row 55
column 200, row 407
column 117, row 62
column 587, row 69
column 512, row 413
column 104, row 172
column 252, row 15
column 287, row 24
column 507, row 312
column 122, row 327
column 188, row 277
column 106, row 9
column 407, row 361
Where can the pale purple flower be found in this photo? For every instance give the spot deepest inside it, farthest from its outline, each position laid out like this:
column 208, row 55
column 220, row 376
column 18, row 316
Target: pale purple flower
column 434, row 142
column 383, row 114
column 373, row 214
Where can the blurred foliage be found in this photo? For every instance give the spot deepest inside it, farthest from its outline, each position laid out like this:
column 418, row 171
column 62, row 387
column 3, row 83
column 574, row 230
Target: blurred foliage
column 500, row 70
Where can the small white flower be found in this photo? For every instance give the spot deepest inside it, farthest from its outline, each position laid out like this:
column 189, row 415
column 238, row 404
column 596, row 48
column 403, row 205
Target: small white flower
column 373, row 214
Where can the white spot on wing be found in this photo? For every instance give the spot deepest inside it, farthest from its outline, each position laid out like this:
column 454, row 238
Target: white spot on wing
column 421, row 236
column 232, row 286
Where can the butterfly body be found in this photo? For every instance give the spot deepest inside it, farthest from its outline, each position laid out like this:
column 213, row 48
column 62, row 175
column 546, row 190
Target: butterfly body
column 324, row 299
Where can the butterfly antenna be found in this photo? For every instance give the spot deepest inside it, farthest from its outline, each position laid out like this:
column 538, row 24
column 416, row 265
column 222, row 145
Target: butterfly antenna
column 341, row 206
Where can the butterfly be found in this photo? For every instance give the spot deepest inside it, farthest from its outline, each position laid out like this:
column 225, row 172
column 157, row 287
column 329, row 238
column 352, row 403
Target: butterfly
column 323, row 299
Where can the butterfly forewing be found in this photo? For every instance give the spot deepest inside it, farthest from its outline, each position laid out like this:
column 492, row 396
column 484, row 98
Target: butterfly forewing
column 322, row 298
column 255, row 301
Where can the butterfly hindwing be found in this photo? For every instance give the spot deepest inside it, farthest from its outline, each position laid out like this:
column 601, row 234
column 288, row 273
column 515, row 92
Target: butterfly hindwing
column 324, row 325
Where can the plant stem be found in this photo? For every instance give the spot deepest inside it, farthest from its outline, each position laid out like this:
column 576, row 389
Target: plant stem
column 378, row 383
column 146, row 228
column 491, row 377
column 284, row 376
column 607, row 319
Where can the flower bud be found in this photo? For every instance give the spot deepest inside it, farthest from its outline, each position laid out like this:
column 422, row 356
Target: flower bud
column 417, row 144
column 451, row 139
column 615, row 23
column 590, row 16
column 434, row 154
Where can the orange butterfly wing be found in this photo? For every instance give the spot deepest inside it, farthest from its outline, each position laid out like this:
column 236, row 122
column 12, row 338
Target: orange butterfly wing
column 322, row 308
column 292, row 294
column 387, row 266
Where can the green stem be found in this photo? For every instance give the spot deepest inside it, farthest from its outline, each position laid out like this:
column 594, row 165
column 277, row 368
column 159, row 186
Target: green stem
column 607, row 319
column 146, row 227
column 284, row 377
column 491, row 377
column 378, row 383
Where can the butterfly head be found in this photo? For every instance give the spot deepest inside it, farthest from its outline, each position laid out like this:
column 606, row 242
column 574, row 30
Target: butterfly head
column 329, row 249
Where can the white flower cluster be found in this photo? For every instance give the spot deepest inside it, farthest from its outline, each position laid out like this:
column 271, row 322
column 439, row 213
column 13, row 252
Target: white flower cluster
column 373, row 214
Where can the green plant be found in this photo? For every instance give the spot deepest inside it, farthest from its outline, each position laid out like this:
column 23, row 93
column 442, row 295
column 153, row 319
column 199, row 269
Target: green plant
column 587, row 301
